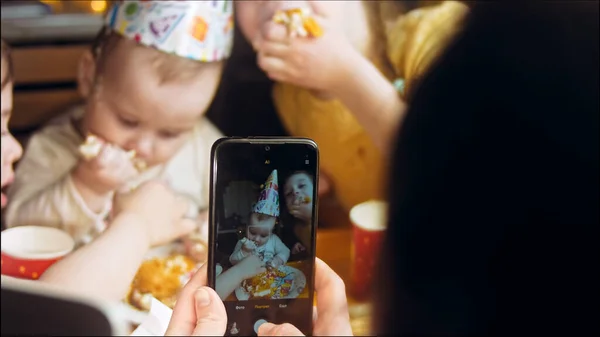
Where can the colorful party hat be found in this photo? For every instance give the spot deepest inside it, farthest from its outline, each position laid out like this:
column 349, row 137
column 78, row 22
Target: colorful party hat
column 199, row 30
column 268, row 200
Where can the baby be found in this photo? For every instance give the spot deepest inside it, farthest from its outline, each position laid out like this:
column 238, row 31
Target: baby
column 298, row 192
column 260, row 239
column 146, row 85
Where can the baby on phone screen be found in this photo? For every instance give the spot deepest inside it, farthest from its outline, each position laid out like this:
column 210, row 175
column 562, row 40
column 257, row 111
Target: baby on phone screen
column 260, row 239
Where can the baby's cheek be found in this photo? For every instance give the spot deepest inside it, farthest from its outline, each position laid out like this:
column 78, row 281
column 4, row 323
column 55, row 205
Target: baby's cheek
column 247, row 18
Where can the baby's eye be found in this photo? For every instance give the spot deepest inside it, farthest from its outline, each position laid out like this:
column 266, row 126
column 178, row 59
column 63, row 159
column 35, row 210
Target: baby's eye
column 128, row 122
column 301, row 186
column 169, row 134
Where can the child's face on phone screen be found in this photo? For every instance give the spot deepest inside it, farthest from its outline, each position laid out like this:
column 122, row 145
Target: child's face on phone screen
column 298, row 192
column 259, row 231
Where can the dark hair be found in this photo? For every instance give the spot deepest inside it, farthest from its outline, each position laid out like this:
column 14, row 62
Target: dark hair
column 6, row 57
column 494, row 216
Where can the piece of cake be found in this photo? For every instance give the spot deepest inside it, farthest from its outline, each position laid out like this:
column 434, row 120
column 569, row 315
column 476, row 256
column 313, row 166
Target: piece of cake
column 92, row 146
column 299, row 22
column 161, row 278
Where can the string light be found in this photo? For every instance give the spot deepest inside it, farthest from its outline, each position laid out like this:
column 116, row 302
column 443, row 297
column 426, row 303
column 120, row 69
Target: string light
column 98, row 6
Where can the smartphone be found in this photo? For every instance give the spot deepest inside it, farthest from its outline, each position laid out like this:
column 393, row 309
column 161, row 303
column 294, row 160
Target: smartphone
column 263, row 219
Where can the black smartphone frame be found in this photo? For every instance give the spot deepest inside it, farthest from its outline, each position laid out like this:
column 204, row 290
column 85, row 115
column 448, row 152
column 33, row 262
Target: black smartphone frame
column 213, row 230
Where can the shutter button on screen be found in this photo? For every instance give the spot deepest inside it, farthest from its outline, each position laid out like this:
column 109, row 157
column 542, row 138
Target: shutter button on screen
column 258, row 323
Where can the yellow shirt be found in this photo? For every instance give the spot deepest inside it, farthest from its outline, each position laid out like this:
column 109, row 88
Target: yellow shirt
column 348, row 156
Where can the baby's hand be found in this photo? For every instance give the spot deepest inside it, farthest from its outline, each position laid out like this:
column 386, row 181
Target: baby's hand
column 313, row 63
column 298, row 247
column 107, row 172
column 276, row 262
column 249, row 246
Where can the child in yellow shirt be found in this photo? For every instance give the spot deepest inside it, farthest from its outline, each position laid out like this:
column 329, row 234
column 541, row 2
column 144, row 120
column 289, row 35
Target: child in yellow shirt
column 370, row 41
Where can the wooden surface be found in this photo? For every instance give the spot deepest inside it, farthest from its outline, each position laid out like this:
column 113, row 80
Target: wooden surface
column 334, row 248
column 45, row 83
column 47, row 63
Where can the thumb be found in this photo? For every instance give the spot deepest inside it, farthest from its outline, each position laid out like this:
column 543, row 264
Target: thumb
column 208, row 317
column 210, row 313
column 285, row 329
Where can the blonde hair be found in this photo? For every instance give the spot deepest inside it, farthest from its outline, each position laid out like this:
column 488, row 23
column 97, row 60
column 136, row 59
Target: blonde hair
column 416, row 39
column 169, row 67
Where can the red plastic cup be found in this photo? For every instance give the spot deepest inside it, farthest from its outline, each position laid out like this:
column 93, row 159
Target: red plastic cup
column 369, row 221
column 29, row 250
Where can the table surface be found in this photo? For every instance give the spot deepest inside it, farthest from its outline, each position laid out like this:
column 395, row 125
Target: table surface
column 334, row 248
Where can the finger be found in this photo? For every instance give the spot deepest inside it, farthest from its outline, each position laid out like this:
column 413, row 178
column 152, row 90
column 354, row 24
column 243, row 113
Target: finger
column 271, row 32
column 207, row 316
column 105, row 157
column 211, row 317
column 331, row 298
column 271, row 64
column 183, row 321
column 275, row 49
column 286, row 329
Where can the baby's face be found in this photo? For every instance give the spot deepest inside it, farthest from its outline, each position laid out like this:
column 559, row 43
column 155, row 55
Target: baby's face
column 298, row 191
column 260, row 231
column 130, row 108
column 11, row 149
column 252, row 15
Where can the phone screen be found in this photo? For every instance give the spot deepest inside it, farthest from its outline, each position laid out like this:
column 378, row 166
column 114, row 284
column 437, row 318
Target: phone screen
column 263, row 237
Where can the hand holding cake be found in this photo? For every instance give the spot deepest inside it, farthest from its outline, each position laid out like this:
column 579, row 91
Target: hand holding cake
column 304, row 47
column 299, row 22
column 93, row 145
column 104, row 167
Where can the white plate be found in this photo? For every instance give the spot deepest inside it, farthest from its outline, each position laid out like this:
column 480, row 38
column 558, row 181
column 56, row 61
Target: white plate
column 298, row 284
column 133, row 314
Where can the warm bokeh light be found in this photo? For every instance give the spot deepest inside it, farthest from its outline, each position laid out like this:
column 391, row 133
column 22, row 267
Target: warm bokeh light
column 98, row 6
